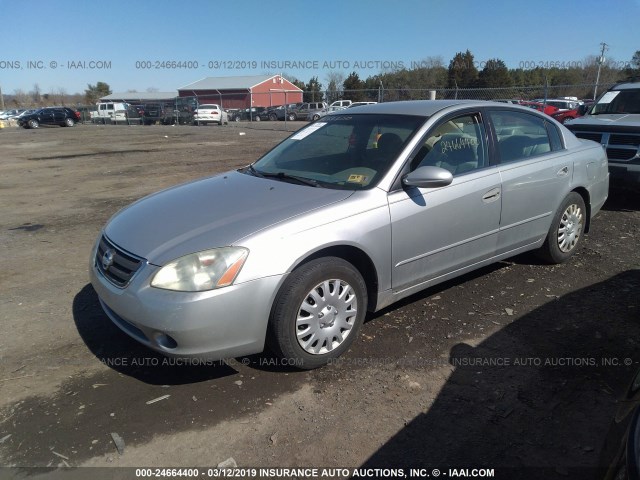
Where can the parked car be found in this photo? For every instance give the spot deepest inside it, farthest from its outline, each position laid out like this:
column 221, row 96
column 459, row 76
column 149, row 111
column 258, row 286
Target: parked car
column 341, row 103
column 313, row 116
column 345, row 216
column 25, row 112
column 614, row 122
column 361, row 104
column 541, row 107
column 280, row 112
column 210, row 113
column 561, row 103
column 9, row 114
column 303, row 111
column 564, row 116
column 63, row 116
column 250, row 114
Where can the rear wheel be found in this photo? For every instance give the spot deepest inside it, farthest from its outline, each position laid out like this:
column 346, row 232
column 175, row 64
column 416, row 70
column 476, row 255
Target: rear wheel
column 565, row 231
column 318, row 312
column 256, row 118
column 273, row 117
column 291, row 117
column 68, row 122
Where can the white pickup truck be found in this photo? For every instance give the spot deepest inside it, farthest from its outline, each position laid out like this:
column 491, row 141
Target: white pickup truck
column 115, row 112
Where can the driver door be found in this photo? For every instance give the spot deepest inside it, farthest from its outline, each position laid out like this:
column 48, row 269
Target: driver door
column 437, row 231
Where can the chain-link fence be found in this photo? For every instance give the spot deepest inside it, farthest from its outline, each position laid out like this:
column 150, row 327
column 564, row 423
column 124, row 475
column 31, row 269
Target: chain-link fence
column 279, row 105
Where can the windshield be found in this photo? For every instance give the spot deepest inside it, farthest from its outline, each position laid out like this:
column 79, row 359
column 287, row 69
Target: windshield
column 618, row 101
column 341, row 151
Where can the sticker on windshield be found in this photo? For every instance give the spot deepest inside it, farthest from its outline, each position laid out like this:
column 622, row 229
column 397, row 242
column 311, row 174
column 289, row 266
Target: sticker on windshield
column 609, row 96
column 354, row 178
column 308, row 131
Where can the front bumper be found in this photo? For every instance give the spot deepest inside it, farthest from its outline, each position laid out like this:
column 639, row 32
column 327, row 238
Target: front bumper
column 213, row 325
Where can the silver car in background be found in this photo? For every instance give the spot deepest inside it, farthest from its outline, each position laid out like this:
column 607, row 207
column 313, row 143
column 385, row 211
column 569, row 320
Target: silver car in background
column 350, row 214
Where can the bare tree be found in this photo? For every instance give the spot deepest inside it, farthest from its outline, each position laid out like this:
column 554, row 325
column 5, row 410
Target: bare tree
column 20, row 98
column 335, row 88
column 36, row 96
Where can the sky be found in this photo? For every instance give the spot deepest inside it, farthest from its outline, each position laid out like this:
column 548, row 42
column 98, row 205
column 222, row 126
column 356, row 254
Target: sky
column 165, row 44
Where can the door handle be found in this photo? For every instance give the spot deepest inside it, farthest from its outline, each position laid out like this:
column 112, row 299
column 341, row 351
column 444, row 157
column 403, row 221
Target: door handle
column 563, row 171
column 491, row 196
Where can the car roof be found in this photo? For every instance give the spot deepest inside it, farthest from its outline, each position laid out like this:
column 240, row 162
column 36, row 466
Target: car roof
column 627, row 86
column 424, row 108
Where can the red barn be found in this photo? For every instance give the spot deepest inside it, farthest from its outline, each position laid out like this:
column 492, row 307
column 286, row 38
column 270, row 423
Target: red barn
column 243, row 92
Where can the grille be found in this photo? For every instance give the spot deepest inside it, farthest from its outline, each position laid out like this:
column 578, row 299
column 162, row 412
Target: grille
column 633, row 140
column 596, row 137
column 123, row 265
column 620, row 153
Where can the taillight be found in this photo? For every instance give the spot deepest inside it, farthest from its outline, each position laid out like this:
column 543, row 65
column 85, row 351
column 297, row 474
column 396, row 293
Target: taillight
column 77, row 115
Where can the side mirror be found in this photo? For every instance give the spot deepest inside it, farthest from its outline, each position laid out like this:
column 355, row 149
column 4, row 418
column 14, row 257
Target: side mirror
column 428, row 177
column 583, row 109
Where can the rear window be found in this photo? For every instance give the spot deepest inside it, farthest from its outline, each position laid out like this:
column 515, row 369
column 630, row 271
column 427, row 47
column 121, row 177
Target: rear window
column 209, row 107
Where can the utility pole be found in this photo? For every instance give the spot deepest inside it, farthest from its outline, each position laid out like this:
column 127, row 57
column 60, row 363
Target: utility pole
column 1, row 100
column 601, row 60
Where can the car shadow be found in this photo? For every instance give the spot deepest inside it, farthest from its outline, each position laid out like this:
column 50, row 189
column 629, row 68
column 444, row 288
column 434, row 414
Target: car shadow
column 535, row 399
column 114, row 348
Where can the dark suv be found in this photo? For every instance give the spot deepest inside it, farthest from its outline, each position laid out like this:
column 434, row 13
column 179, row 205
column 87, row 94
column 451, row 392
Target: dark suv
column 63, row 116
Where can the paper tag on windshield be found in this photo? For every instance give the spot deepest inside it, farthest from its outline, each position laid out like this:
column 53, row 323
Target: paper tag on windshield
column 308, row 131
column 609, row 96
column 357, row 178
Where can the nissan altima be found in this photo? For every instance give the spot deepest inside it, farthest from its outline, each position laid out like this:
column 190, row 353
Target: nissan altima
column 346, row 216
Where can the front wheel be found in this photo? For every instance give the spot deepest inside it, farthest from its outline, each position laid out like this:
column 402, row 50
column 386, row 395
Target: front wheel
column 565, row 231
column 291, row 117
column 318, row 312
column 33, row 124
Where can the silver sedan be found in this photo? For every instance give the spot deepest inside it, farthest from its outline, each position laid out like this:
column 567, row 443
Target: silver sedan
column 348, row 215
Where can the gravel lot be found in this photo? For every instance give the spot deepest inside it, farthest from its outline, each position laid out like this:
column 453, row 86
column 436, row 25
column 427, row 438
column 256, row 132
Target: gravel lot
column 509, row 367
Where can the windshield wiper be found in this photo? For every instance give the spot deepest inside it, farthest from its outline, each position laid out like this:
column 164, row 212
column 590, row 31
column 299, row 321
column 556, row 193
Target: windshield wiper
column 286, row 176
column 253, row 171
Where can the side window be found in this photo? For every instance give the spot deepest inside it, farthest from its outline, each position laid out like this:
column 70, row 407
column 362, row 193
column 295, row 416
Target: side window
column 520, row 136
column 554, row 137
column 110, row 106
column 458, row 145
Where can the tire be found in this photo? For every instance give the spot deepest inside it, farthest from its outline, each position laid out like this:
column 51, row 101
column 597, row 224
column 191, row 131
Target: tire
column 236, row 118
column 566, row 230
column 33, row 123
column 257, row 119
column 68, row 122
column 315, row 117
column 273, row 117
column 309, row 338
column 291, row 117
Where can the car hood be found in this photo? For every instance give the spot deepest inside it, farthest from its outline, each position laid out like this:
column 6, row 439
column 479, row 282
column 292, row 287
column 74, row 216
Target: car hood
column 626, row 119
column 212, row 212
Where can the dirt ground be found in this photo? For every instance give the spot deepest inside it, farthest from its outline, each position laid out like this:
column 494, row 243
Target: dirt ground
column 518, row 366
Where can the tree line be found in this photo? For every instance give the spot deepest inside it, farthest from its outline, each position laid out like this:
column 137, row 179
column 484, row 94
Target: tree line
column 462, row 72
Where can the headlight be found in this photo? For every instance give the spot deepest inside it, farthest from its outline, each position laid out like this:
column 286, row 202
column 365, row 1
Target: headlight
column 202, row 271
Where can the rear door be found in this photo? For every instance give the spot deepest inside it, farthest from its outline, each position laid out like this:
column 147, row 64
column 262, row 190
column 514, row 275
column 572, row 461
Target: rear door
column 536, row 172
